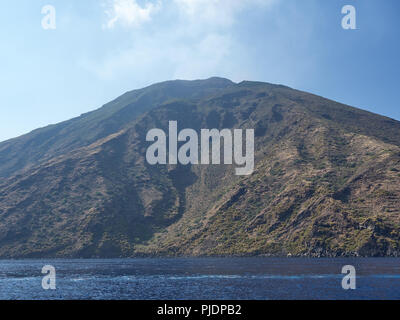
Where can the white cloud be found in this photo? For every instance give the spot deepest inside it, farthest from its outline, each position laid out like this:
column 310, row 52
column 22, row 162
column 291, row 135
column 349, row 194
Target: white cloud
column 164, row 56
column 188, row 39
column 220, row 13
column 129, row 13
column 217, row 12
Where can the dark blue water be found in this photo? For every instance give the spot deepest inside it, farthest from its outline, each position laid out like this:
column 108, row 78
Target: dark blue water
column 208, row 278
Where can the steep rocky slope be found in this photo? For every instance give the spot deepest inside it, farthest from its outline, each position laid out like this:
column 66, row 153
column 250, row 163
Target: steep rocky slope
column 46, row 143
column 326, row 179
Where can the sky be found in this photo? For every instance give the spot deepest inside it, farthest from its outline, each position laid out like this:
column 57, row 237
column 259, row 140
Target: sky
column 100, row 49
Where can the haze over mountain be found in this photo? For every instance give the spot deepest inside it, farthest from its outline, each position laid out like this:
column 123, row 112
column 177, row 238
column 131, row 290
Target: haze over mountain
column 326, row 179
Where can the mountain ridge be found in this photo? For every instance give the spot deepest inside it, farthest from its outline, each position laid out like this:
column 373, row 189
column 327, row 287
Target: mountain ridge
column 102, row 121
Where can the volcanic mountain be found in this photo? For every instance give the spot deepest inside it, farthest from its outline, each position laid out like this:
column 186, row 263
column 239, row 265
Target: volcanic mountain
column 326, row 180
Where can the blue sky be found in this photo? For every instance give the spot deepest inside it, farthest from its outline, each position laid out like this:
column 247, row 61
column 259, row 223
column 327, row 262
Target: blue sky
column 103, row 48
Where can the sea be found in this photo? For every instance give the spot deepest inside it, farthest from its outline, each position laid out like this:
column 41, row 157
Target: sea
column 200, row 279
